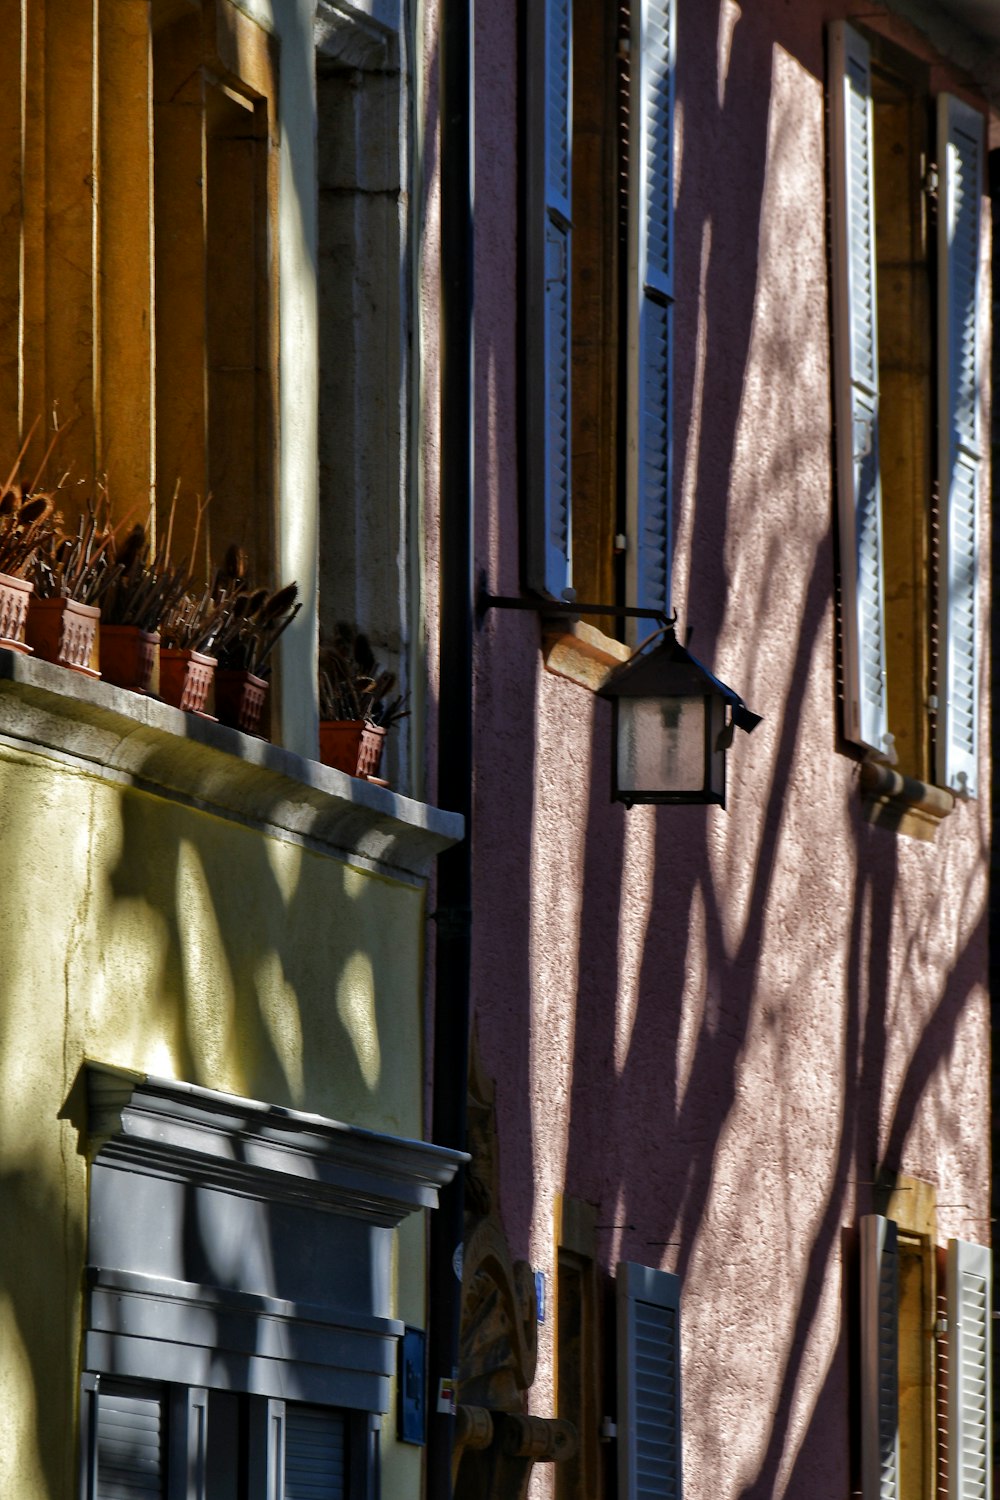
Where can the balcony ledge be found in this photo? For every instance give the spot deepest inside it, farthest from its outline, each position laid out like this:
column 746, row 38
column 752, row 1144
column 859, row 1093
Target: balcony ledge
column 123, row 737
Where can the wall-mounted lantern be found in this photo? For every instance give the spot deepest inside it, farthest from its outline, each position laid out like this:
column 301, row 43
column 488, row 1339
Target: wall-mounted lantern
column 673, row 723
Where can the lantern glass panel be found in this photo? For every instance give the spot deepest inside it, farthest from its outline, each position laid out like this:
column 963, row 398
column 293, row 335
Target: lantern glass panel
column 661, row 744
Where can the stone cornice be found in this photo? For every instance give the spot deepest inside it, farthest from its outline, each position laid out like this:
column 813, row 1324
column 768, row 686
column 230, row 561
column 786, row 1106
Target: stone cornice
column 124, row 737
column 200, row 1135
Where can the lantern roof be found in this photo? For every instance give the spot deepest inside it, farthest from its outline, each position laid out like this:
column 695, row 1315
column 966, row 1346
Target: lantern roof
column 668, row 670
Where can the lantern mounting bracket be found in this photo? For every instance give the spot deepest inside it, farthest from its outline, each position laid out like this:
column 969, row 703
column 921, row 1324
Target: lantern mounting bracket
column 568, row 604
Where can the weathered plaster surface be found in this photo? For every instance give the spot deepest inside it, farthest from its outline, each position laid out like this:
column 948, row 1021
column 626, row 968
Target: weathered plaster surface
column 150, row 935
column 715, row 1026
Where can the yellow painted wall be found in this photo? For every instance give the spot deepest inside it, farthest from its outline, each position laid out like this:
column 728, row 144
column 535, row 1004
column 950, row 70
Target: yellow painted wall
column 143, row 933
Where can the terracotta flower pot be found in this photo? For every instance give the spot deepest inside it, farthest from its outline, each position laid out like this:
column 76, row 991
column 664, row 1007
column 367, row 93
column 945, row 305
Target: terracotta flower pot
column 14, row 596
column 351, row 745
column 339, row 743
column 64, row 631
column 186, row 678
column 240, row 699
column 130, row 657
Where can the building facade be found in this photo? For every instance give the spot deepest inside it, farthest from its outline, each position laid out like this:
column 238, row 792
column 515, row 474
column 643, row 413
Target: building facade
column 215, row 1162
column 683, row 305
column 732, row 346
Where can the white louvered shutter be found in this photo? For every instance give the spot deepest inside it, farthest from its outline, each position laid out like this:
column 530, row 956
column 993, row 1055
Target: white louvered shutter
column 879, row 1359
column 650, row 300
column 548, row 334
column 855, row 350
column 970, row 1475
column 960, row 168
column 649, row 1384
column 315, row 1454
column 130, row 1444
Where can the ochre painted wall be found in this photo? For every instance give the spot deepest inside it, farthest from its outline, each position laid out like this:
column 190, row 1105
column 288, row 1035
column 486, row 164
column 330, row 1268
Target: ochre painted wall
column 142, row 933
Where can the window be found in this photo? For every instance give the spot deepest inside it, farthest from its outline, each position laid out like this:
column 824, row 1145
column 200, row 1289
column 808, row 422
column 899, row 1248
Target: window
column 649, row 1384
column 902, row 1440
column 238, row 1303
column 599, row 298
column 906, row 187
column 142, row 1439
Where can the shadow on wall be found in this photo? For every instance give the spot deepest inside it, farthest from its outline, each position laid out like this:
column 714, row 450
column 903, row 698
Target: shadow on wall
column 251, row 984
column 654, row 1111
column 200, row 950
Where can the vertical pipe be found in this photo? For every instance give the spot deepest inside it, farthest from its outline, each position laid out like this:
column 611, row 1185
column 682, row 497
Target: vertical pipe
column 454, row 874
column 994, row 896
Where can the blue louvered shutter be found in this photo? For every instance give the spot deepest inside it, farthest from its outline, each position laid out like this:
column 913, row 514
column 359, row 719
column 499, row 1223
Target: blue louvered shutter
column 960, row 163
column 548, row 324
column 879, row 1359
column 130, row 1444
column 650, row 300
column 649, row 1384
column 970, row 1419
column 315, row 1454
column 855, row 348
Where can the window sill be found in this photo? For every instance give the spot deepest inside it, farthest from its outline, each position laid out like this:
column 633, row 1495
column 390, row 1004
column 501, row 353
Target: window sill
column 901, row 803
column 577, row 651
column 141, row 742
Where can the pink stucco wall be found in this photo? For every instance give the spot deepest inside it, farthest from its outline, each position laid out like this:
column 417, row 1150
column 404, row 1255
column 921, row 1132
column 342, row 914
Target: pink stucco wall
column 715, row 1025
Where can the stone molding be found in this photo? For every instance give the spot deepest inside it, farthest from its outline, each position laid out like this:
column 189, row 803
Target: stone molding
column 903, row 804
column 261, row 1150
column 242, row 1246
column 158, row 1328
column 141, row 742
column 358, row 34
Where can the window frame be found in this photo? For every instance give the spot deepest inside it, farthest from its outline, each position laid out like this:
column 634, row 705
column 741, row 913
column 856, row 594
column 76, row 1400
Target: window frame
column 645, row 336
column 968, row 1414
column 952, row 713
column 183, row 1471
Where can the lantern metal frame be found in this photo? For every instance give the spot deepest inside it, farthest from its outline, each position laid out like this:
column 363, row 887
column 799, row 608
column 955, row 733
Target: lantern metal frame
column 664, row 672
column 659, row 669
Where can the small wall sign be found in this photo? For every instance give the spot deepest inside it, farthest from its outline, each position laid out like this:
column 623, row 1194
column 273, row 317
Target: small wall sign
column 412, row 1400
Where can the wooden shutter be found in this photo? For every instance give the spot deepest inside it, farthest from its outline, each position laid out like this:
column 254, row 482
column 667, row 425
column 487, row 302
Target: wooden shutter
column 130, row 1444
column 650, row 300
column 960, row 165
column 548, row 330
column 856, row 396
column 649, row 1384
column 970, row 1474
column 879, row 1359
column 315, row 1454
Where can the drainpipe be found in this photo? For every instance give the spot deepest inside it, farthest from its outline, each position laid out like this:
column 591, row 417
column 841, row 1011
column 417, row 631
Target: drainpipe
column 453, row 917
column 994, row 897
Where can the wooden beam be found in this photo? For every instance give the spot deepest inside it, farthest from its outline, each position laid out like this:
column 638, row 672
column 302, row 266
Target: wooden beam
column 11, row 74
column 180, row 210
column 125, row 416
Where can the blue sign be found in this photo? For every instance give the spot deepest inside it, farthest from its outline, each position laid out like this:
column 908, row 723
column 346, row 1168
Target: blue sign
column 412, row 1383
